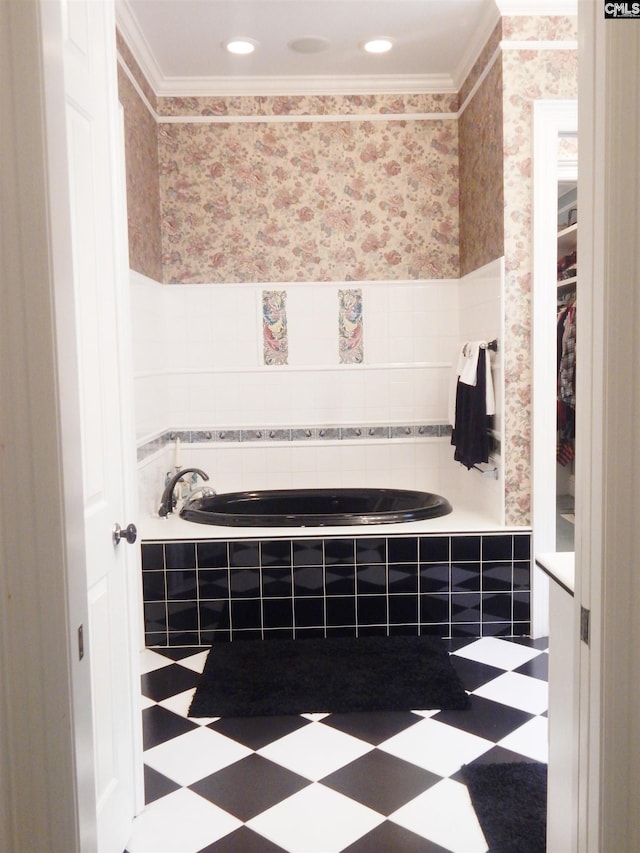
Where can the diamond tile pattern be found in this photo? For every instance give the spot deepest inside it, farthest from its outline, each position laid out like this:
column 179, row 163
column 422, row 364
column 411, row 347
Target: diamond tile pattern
column 325, row 783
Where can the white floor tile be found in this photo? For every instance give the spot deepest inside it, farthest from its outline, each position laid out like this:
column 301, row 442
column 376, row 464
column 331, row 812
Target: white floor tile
column 150, row 661
column 194, row 755
column 145, row 702
column 314, row 751
column 195, row 662
column 180, row 704
column 531, row 739
column 315, row 820
column 436, row 746
column 518, row 691
column 182, row 822
column 444, row 815
column 498, row 653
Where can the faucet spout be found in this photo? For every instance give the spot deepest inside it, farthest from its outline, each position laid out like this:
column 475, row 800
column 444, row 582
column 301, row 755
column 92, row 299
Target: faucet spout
column 168, row 501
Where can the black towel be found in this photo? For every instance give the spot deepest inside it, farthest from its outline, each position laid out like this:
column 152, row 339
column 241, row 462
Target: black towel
column 470, row 434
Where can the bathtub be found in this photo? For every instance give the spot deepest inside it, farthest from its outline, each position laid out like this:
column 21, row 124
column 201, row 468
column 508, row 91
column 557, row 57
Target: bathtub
column 315, row 507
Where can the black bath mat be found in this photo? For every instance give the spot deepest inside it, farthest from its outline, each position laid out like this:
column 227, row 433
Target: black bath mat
column 273, row 677
column 510, row 801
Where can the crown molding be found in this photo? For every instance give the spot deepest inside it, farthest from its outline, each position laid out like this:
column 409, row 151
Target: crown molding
column 555, row 8
column 327, row 84
column 307, row 85
column 475, row 47
column 130, row 31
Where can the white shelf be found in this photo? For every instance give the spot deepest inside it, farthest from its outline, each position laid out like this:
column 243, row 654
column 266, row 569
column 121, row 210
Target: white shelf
column 565, row 282
column 567, row 243
column 567, row 240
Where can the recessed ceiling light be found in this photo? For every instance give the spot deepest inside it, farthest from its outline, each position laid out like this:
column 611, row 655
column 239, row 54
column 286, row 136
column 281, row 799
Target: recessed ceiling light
column 378, row 45
column 309, row 44
column 241, row 46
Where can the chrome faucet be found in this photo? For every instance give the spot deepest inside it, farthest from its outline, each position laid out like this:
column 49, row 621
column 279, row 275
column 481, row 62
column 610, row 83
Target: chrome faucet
column 168, row 501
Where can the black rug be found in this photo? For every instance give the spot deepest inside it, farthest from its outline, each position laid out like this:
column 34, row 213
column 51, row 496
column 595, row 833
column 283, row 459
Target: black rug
column 510, row 801
column 273, row 677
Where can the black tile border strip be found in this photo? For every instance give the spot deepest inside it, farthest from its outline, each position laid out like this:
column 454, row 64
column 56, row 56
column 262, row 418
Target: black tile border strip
column 298, row 434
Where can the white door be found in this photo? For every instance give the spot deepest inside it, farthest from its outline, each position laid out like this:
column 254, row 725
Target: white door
column 100, row 275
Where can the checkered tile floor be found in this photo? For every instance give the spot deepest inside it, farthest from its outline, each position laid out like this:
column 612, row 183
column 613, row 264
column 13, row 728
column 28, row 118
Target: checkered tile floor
column 323, row 783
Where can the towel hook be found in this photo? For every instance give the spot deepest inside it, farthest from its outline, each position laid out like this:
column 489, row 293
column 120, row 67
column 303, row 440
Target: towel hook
column 492, row 345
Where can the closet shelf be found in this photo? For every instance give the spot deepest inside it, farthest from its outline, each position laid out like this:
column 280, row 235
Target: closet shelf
column 567, row 239
column 565, row 282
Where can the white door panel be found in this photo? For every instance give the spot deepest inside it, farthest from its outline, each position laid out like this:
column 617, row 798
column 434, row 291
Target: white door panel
column 93, row 125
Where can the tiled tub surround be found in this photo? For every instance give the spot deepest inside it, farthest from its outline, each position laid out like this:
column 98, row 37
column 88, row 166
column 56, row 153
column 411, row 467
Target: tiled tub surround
column 198, row 354
column 216, row 590
column 198, row 368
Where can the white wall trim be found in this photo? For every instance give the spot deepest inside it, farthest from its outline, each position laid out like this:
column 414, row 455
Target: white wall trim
column 303, row 118
column 569, row 44
column 138, row 278
column 485, row 71
column 136, row 86
column 516, row 8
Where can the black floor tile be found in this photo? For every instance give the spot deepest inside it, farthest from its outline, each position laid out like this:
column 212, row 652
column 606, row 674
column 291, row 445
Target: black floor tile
column 473, row 674
column 156, row 785
column 168, row 681
column 178, row 653
column 496, row 755
column 453, row 644
column 256, row 732
column 538, row 667
column 391, row 838
column 541, row 643
column 160, row 725
column 380, row 781
column 485, row 718
column 249, row 786
column 243, row 840
column 372, row 726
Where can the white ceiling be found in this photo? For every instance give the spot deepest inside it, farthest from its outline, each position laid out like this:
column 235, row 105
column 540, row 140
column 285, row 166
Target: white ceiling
column 179, row 43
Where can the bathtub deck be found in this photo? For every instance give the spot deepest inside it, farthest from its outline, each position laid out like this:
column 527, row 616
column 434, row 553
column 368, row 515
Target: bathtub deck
column 459, row 521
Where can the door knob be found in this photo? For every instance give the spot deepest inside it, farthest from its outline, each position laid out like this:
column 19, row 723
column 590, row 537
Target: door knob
column 130, row 533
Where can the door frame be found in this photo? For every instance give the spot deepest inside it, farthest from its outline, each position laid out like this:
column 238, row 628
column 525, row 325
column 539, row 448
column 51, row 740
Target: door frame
column 42, row 534
column 607, row 730
column 551, row 119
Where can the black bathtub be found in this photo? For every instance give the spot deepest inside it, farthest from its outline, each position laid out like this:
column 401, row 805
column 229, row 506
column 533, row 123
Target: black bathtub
column 315, row 507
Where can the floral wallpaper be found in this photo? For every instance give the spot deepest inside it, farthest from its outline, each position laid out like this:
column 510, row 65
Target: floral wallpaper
column 540, row 28
column 308, row 105
column 309, row 201
column 527, row 76
column 143, row 197
column 481, row 175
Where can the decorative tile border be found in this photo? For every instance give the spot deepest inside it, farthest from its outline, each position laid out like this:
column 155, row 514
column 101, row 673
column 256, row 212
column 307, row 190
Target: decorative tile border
column 275, row 339
column 312, row 433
